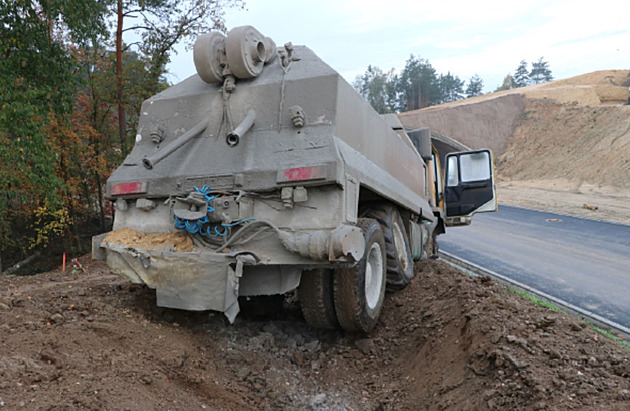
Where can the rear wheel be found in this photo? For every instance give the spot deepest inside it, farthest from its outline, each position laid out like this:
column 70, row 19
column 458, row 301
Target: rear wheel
column 399, row 257
column 316, row 299
column 359, row 291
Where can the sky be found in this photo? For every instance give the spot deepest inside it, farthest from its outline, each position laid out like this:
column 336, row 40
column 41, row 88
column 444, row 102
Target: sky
column 463, row 37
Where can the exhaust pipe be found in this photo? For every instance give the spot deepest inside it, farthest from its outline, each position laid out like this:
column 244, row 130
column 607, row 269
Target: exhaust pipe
column 234, row 137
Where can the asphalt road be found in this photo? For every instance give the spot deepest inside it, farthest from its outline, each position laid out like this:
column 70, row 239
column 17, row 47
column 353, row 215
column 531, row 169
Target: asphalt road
column 583, row 262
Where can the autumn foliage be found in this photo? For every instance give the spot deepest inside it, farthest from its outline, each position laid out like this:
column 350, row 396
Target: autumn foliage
column 61, row 89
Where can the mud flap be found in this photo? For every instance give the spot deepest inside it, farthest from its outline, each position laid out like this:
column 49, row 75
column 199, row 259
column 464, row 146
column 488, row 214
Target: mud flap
column 195, row 281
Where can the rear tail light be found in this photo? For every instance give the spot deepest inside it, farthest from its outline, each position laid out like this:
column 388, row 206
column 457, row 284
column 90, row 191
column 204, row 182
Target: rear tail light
column 301, row 174
column 137, row 187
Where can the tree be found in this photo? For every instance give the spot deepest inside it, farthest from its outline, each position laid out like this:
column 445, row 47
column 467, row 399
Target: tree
column 508, row 83
column 393, row 92
column 37, row 82
column 418, row 85
column 451, row 88
column 378, row 89
column 61, row 90
column 541, row 72
column 95, row 121
column 521, row 75
column 475, row 86
column 162, row 24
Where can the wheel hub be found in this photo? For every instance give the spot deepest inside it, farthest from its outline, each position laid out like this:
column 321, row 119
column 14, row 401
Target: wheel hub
column 373, row 275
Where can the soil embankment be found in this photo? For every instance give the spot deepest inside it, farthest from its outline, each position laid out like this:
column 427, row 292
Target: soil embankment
column 477, row 124
column 562, row 146
column 92, row 341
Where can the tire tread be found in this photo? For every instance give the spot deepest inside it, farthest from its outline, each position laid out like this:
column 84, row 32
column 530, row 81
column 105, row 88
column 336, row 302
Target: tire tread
column 316, row 299
column 349, row 290
column 385, row 213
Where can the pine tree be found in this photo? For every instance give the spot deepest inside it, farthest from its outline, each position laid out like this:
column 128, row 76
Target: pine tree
column 451, row 87
column 521, row 75
column 541, row 72
column 475, row 86
column 418, row 85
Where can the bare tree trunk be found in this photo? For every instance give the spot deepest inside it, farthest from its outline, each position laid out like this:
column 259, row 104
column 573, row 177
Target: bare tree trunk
column 101, row 207
column 122, row 127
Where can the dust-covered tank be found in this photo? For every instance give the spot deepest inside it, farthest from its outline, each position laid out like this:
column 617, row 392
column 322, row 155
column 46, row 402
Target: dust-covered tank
column 267, row 173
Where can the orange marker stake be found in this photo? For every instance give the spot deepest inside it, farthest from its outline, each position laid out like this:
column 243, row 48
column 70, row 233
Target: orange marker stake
column 64, row 262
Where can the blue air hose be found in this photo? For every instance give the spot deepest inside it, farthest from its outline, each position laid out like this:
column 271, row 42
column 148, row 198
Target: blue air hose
column 197, row 225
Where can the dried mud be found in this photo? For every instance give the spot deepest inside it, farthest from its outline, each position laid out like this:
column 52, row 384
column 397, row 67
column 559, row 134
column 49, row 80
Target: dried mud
column 92, row 341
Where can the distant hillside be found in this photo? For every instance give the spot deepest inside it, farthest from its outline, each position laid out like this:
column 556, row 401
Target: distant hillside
column 576, row 130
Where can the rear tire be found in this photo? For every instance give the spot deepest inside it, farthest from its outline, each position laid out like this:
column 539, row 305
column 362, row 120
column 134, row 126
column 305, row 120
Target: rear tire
column 316, row 299
column 399, row 257
column 359, row 291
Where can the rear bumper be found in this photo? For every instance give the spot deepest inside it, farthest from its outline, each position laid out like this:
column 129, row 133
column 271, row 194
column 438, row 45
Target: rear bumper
column 195, row 281
column 203, row 279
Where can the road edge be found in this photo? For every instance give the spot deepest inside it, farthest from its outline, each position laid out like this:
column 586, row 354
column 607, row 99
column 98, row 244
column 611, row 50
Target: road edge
column 597, row 220
column 622, row 333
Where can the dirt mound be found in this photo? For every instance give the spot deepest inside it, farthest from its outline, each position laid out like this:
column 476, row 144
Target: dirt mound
column 448, row 341
column 607, row 87
column 569, row 158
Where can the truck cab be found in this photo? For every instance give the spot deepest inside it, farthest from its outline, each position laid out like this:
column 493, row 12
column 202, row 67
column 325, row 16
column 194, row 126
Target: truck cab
column 460, row 182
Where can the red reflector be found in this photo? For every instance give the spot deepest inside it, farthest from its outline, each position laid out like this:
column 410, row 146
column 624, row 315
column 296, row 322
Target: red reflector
column 302, row 174
column 129, row 188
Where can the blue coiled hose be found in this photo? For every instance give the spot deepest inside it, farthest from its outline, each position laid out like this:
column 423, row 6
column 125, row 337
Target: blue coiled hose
column 197, row 226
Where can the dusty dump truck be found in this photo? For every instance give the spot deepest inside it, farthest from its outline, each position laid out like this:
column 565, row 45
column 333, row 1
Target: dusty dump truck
column 280, row 177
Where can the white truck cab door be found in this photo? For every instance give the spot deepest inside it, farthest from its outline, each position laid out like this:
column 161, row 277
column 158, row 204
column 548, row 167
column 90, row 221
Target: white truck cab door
column 469, row 186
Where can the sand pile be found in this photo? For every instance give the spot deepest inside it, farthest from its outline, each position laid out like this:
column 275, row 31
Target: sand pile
column 176, row 241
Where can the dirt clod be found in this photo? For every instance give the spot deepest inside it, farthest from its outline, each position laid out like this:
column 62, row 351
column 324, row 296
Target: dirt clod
column 57, row 318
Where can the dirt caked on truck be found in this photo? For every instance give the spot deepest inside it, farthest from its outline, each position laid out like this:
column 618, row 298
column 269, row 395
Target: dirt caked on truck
column 282, row 178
